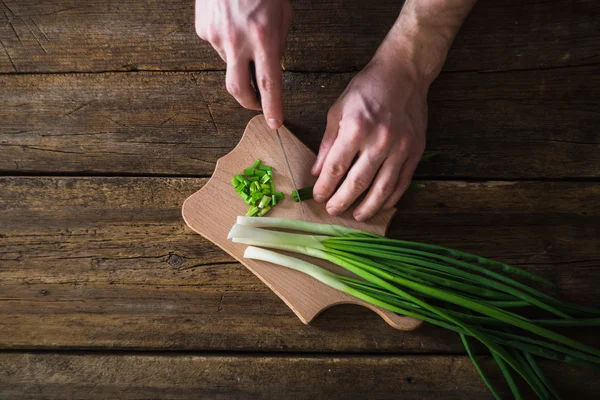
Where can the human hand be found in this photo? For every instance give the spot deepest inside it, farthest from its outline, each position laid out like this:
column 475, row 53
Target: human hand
column 381, row 117
column 242, row 31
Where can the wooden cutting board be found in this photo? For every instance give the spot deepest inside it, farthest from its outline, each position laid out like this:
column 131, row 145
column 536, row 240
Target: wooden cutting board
column 213, row 209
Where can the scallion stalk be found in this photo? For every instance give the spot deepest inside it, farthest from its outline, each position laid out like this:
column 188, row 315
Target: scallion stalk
column 454, row 290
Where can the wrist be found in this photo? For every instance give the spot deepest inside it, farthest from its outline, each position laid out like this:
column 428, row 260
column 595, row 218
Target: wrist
column 418, row 43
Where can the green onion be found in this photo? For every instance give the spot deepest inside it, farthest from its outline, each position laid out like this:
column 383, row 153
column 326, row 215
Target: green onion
column 264, row 201
column 303, row 194
column 265, row 179
column 455, row 290
column 257, row 189
column 279, row 195
column 252, row 211
column 265, row 210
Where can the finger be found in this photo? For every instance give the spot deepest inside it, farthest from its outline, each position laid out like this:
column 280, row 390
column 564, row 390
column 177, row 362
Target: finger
column 336, row 163
column 221, row 53
column 406, row 173
column 331, row 131
column 268, row 74
column 383, row 187
column 358, row 180
column 237, row 81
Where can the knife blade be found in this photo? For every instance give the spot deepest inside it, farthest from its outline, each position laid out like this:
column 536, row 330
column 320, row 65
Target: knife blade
column 285, row 157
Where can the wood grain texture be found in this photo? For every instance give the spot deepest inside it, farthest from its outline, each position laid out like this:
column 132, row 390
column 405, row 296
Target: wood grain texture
column 107, row 263
column 326, row 35
column 525, row 124
column 213, row 210
column 131, row 376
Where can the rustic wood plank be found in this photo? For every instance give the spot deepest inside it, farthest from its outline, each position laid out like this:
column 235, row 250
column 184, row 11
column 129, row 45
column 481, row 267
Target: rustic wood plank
column 326, row 35
column 109, row 263
column 525, row 124
column 129, row 376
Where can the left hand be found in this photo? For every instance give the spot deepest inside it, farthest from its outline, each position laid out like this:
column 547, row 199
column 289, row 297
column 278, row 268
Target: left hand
column 381, row 117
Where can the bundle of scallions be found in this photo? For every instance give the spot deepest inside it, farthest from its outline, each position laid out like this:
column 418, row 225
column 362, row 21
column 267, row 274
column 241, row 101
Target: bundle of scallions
column 476, row 297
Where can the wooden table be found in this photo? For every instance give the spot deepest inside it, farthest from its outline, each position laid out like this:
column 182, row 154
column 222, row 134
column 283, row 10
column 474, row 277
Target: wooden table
column 113, row 112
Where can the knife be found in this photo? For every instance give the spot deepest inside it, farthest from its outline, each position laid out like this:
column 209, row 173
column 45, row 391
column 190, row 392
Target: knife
column 285, row 157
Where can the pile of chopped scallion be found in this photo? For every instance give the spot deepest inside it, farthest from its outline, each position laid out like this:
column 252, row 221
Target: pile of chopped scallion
column 257, row 189
column 480, row 299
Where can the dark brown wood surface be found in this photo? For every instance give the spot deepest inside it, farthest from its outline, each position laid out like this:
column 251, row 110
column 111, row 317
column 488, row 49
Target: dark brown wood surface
column 133, row 376
column 544, row 121
column 112, row 113
column 326, row 35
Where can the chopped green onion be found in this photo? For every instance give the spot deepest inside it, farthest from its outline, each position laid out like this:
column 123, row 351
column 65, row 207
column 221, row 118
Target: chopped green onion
column 257, row 189
column 264, row 201
column 303, row 194
column 257, row 195
column 241, row 178
column 252, row 211
column 264, row 211
column 265, row 178
column 279, row 195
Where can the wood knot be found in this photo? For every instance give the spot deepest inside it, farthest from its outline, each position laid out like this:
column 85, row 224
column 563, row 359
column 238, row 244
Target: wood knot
column 409, row 379
column 174, row 260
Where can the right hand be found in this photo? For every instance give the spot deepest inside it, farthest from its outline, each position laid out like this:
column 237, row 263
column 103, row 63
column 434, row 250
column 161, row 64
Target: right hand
column 242, row 31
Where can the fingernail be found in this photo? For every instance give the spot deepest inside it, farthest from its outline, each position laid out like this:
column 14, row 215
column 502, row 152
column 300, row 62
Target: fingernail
column 273, row 123
column 319, row 198
column 333, row 211
column 360, row 217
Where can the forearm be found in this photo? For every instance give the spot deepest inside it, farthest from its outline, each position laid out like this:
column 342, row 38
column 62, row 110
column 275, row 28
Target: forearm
column 422, row 35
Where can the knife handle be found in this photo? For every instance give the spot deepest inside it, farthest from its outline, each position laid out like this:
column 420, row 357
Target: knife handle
column 255, row 82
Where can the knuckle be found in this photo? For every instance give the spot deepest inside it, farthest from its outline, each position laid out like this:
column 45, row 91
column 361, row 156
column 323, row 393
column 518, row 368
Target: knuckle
column 403, row 185
column 336, row 170
column 232, row 36
column 358, row 184
column 340, row 203
column 211, row 35
column 353, row 124
column 384, row 189
column 233, row 88
column 325, row 144
column 261, row 29
column 267, row 84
